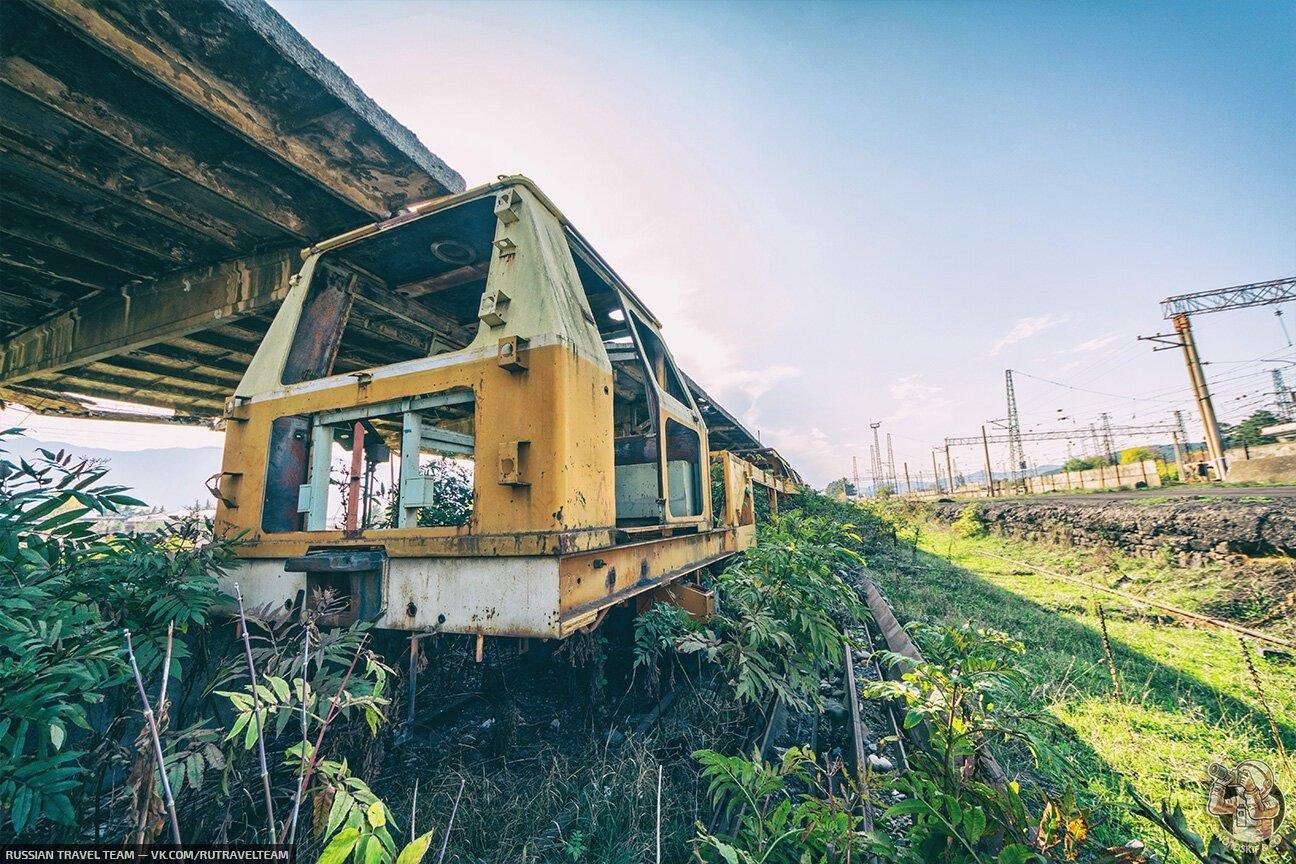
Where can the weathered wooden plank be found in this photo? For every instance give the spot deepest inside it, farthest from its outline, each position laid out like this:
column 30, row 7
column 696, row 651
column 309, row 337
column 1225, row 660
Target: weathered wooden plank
column 53, row 233
column 89, row 210
column 181, row 353
column 75, row 153
column 41, row 261
column 240, row 63
column 51, row 66
column 176, row 305
column 133, row 365
column 124, row 391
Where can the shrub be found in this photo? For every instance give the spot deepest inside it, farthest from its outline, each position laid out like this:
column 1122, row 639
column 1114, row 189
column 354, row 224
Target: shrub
column 778, row 628
column 789, row 812
column 967, row 695
column 66, row 594
column 971, row 522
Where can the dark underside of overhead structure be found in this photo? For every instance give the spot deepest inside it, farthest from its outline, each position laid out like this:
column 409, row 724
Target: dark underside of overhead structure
column 162, row 164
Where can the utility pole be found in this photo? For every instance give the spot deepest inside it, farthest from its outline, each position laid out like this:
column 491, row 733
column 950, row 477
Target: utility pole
column 908, row 485
column 1108, row 444
column 1179, row 308
column 936, row 473
column 1214, row 442
column 949, row 468
column 1179, row 458
column 1016, row 456
column 1183, row 433
column 855, row 476
column 1093, row 433
column 985, row 446
column 873, row 470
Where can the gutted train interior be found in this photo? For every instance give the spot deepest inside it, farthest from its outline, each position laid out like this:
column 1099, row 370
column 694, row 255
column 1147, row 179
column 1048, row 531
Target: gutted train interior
column 440, row 262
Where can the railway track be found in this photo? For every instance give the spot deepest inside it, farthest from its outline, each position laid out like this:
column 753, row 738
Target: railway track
column 858, row 734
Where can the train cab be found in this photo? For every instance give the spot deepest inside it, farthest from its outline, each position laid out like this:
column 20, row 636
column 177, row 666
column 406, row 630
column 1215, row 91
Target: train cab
column 539, row 460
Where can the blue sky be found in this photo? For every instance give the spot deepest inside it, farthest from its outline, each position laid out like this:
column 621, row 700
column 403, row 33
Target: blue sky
column 855, row 211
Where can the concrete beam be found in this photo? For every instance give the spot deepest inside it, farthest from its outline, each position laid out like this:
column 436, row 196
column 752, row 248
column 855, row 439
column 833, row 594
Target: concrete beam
column 175, row 305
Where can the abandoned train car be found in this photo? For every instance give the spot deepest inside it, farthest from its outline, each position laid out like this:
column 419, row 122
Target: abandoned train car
column 545, row 462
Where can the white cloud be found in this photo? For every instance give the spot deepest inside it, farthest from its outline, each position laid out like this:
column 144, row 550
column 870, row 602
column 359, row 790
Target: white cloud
column 1096, row 344
column 1025, row 328
column 915, row 397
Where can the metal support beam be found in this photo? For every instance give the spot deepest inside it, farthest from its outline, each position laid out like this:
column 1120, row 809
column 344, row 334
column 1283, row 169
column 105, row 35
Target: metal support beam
column 1236, row 297
column 173, row 306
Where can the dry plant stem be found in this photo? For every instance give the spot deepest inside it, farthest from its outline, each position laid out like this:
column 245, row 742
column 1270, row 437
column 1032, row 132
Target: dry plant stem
column 445, row 841
column 166, row 670
column 292, row 832
column 414, row 809
column 659, row 785
column 256, row 709
column 1107, row 650
column 1264, row 703
column 157, row 741
column 161, row 718
column 319, row 741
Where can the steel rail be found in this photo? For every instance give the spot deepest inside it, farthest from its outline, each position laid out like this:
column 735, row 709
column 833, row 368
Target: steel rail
column 1134, row 598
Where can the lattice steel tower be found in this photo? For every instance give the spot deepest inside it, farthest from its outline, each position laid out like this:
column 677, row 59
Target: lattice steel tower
column 1282, row 398
column 1109, row 444
column 1016, row 456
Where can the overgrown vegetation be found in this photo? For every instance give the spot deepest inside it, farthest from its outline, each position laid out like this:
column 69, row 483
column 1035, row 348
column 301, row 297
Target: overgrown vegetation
column 1187, row 696
column 1014, row 669
column 66, row 595
column 75, row 761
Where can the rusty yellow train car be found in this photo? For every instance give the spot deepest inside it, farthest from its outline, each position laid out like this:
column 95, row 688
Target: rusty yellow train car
column 546, row 460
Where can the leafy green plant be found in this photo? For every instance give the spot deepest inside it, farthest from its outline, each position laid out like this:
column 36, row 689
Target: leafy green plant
column 778, row 631
column 659, row 632
column 66, row 594
column 963, row 696
column 785, row 811
column 360, row 825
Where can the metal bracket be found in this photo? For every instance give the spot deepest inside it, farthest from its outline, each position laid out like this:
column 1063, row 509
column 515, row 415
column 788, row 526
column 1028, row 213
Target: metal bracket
column 493, row 307
column 510, row 353
column 508, row 205
column 1166, row 340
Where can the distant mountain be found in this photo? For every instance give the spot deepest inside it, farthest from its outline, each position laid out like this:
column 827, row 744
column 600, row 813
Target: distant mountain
column 169, row 477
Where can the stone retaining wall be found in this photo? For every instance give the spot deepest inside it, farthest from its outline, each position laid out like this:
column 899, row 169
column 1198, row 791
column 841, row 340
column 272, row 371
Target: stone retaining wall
column 1191, row 532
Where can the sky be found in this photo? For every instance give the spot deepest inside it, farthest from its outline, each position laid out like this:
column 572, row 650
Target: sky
column 856, row 212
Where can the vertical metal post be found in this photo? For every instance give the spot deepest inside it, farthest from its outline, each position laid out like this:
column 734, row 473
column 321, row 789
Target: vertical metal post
column 908, row 485
column 1214, row 442
column 936, row 474
column 411, row 447
column 949, row 466
column 985, row 446
column 1179, row 458
column 357, row 468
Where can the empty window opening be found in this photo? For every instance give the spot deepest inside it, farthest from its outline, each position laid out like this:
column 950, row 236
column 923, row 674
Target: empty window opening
column 659, row 361
column 683, row 470
column 411, row 291
column 405, row 464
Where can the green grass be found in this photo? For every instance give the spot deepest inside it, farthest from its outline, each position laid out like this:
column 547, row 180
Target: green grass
column 1188, row 697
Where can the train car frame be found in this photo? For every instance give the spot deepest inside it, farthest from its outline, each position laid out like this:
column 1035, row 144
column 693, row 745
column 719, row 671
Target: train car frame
column 553, row 395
